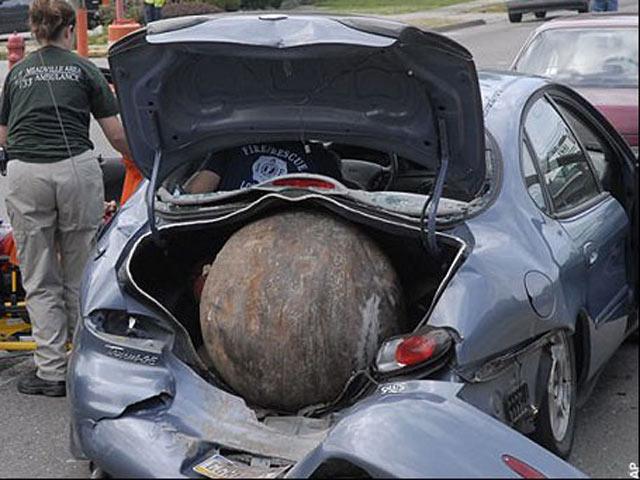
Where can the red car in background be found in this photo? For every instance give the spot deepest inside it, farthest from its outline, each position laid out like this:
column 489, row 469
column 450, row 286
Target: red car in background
column 596, row 54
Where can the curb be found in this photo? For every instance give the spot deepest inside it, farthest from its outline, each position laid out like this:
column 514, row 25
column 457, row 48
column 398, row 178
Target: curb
column 459, row 26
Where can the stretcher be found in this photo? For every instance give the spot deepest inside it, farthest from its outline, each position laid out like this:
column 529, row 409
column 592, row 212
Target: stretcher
column 15, row 329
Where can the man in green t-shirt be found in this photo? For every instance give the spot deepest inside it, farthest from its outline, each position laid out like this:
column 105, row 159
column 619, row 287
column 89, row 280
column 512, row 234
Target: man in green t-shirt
column 55, row 188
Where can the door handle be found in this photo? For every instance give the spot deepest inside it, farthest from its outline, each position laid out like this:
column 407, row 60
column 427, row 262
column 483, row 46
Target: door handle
column 590, row 253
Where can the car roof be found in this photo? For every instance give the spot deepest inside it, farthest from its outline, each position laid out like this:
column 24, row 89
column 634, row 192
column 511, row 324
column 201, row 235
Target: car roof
column 496, row 83
column 591, row 20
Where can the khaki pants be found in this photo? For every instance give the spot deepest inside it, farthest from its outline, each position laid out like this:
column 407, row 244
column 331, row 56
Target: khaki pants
column 55, row 210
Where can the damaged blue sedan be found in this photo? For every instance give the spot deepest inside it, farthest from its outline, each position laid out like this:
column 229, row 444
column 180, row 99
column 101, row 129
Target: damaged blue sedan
column 419, row 271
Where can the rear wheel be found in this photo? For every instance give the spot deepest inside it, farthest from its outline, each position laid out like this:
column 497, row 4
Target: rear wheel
column 540, row 14
column 583, row 9
column 515, row 17
column 555, row 422
column 97, row 472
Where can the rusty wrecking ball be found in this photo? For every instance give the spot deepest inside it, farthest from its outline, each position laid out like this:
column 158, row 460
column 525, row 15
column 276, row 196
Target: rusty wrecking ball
column 295, row 303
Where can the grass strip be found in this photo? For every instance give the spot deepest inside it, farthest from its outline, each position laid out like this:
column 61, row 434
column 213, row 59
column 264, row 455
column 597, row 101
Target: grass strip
column 383, row 7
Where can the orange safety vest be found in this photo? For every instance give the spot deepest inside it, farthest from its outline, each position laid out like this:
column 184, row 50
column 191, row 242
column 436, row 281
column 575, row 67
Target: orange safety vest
column 132, row 178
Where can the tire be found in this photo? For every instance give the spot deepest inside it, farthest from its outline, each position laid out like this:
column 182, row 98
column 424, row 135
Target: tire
column 96, row 472
column 584, row 9
column 541, row 14
column 515, row 17
column 557, row 393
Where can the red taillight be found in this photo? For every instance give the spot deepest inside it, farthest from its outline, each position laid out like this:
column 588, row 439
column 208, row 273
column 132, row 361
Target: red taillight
column 415, row 350
column 303, row 183
column 424, row 348
column 521, row 468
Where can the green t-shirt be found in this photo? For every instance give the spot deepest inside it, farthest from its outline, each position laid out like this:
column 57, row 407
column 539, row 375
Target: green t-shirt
column 28, row 109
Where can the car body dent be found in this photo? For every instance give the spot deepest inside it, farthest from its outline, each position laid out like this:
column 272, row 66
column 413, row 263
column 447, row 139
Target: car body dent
column 379, row 434
column 95, row 391
column 425, row 430
column 193, row 413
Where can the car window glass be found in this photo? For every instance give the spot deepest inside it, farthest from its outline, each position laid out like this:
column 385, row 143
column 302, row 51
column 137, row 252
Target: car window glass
column 563, row 164
column 593, row 144
column 531, row 178
column 584, row 57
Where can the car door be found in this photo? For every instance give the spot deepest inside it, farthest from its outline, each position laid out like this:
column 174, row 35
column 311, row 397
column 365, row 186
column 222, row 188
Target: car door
column 595, row 223
column 615, row 168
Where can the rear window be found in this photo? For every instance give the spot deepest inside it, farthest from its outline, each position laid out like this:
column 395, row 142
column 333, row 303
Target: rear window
column 584, row 57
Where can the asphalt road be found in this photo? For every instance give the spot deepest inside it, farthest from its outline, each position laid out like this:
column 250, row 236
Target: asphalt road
column 495, row 45
column 33, row 430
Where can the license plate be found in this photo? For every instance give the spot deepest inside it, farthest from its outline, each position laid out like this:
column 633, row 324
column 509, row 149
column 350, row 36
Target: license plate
column 218, row 466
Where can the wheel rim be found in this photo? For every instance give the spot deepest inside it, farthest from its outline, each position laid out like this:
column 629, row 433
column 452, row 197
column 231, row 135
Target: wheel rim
column 559, row 389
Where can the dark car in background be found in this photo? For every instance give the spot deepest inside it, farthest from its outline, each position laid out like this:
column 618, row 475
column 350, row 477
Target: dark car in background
column 14, row 15
column 597, row 55
column 516, row 8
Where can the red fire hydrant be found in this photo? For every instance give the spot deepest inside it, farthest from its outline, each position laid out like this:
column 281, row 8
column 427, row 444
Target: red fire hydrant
column 15, row 49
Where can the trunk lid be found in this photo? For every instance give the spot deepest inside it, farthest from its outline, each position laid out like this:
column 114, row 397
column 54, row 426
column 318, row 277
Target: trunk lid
column 189, row 86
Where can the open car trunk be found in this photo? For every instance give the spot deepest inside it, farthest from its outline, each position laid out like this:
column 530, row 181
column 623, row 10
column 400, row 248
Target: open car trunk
column 165, row 274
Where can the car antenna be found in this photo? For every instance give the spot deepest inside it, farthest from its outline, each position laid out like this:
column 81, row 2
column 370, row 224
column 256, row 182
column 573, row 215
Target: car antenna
column 428, row 219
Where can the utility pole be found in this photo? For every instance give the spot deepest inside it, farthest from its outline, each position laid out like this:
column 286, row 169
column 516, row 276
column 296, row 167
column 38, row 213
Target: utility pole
column 82, row 30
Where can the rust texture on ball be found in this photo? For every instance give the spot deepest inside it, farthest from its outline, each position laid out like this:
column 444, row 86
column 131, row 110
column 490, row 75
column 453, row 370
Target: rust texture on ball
column 293, row 304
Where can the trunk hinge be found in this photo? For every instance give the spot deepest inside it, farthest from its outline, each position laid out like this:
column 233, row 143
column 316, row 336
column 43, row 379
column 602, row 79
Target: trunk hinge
column 430, row 209
column 151, row 189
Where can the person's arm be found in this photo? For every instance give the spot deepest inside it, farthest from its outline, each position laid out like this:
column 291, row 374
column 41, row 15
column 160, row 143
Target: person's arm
column 104, row 109
column 114, row 132
column 3, row 135
column 204, row 181
column 207, row 179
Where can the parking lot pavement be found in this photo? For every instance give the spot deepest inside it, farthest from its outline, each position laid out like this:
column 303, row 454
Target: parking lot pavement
column 34, row 430
column 606, row 441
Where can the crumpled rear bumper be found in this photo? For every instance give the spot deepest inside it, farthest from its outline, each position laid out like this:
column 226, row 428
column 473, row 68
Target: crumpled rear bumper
column 161, row 420
column 145, row 413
